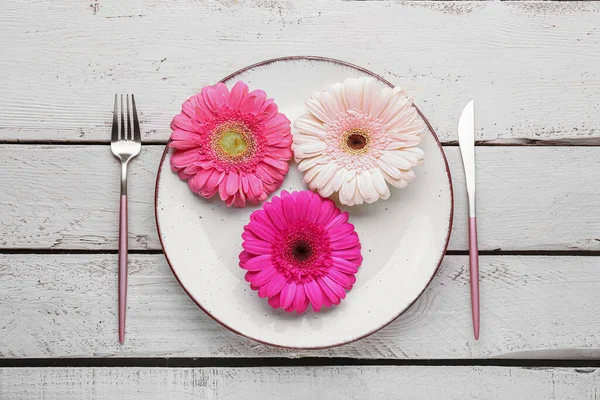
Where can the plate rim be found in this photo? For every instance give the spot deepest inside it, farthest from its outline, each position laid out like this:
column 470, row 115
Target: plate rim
column 402, row 311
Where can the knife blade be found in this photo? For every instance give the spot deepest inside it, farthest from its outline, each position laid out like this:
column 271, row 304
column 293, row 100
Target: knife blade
column 466, row 142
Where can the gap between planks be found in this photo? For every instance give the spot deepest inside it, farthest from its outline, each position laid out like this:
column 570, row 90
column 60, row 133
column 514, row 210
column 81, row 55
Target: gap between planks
column 259, row 362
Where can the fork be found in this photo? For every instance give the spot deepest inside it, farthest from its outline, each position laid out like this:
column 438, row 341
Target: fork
column 125, row 146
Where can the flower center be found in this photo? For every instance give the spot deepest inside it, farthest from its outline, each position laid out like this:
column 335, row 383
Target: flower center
column 233, row 141
column 301, row 250
column 302, row 253
column 356, row 141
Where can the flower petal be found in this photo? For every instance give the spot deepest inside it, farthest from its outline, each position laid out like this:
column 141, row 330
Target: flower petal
column 233, row 183
column 275, row 301
column 280, row 165
column 275, row 212
column 351, row 253
column 310, row 126
column 346, row 280
column 396, row 160
column 340, row 231
column 379, row 184
column 287, row 294
column 255, row 185
column 289, row 210
column 402, row 119
column 336, row 90
column 258, row 263
column 265, row 276
column 330, row 105
column 309, row 176
column 317, row 109
column 345, row 243
column 333, row 298
column 388, row 169
column 302, row 202
column 253, row 101
column 197, row 181
column 245, row 256
column 344, row 266
column 307, row 163
column 300, row 299
column 337, row 220
column 399, row 183
column 258, row 247
column 273, row 287
column 223, row 191
column 335, row 287
column 326, row 212
column 366, row 188
column 353, row 93
column 379, row 100
column 182, row 121
column 338, row 179
column 181, row 159
column 262, row 231
column 325, row 174
column 314, row 294
column 347, row 191
column 238, row 92
column 310, row 149
column 314, row 208
column 396, row 103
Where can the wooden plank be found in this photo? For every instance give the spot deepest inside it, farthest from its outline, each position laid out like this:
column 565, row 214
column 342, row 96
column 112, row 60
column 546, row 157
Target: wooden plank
column 347, row 383
column 66, row 197
column 66, row 306
column 530, row 66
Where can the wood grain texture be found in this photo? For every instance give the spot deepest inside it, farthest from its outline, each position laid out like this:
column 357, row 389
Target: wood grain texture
column 66, row 306
column 530, row 66
column 66, row 197
column 343, row 383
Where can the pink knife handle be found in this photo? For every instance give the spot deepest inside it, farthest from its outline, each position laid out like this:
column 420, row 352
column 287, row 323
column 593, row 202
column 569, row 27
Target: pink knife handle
column 122, row 267
column 474, row 264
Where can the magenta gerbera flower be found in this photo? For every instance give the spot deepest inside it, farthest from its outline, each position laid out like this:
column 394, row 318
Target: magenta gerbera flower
column 234, row 143
column 299, row 249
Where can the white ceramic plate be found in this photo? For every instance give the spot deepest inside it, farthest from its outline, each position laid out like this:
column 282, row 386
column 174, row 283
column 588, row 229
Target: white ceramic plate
column 403, row 238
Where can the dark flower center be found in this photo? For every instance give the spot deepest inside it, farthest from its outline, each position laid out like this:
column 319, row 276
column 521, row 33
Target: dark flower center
column 356, row 141
column 301, row 250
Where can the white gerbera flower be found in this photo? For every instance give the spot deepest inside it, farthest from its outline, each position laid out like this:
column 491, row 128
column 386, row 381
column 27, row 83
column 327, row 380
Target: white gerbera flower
column 356, row 137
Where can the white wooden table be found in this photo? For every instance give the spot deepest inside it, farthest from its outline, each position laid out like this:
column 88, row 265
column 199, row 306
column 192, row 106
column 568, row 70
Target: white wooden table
column 533, row 68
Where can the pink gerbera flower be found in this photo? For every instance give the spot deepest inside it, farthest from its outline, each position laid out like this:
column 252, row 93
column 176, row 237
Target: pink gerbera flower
column 234, row 143
column 299, row 249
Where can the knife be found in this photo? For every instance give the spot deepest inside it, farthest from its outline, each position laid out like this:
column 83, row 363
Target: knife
column 466, row 141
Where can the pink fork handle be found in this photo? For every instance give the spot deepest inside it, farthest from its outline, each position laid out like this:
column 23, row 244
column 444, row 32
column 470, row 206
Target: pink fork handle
column 122, row 267
column 474, row 264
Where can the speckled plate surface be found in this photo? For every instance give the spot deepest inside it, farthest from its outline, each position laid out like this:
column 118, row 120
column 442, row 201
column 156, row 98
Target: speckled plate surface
column 403, row 238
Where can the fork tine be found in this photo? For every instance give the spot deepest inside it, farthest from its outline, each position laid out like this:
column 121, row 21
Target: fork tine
column 137, row 137
column 129, row 135
column 123, row 133
column 115, row 125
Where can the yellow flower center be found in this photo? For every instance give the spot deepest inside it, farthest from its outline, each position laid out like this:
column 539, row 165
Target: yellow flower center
column 233, row 141
column 356, row 141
